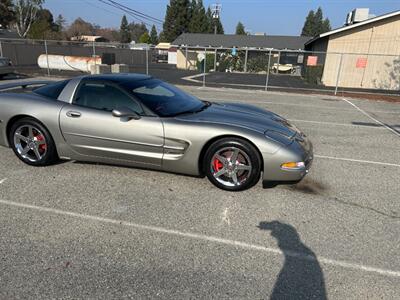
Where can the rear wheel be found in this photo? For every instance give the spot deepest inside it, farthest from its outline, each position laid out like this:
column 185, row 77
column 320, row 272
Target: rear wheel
column 32, row 143
column 232, row 164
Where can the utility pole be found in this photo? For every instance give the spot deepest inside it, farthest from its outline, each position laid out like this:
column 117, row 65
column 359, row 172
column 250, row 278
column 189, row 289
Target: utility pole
column 216, row 12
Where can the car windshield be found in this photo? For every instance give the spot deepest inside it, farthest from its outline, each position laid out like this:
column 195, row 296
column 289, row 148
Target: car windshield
column 163, row 99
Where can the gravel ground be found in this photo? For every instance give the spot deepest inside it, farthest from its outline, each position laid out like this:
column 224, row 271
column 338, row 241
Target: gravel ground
column 79, row 230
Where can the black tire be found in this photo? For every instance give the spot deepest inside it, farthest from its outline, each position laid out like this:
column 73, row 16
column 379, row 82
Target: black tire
column 249, row 152
column 50, row 155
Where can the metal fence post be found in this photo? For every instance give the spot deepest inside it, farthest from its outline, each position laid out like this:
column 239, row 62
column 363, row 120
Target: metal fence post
column 215, row 60
column 1, row 49
column 186, row 56
column 147, row 61
column 94, row 49
column 338, row 73
column 269, row 65
column 205, row 67
column 47, row 58
column 245, row 60
column 279, row 62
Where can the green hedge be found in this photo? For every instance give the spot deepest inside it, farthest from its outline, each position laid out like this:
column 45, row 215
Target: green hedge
column 228, row 61
column 258, row 64
column 209, row 63
column 313, row 74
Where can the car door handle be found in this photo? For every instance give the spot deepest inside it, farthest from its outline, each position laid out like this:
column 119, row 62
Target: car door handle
column 73, row 114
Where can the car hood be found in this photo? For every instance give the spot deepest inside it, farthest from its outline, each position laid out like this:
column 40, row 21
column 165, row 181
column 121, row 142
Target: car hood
column 243, row 115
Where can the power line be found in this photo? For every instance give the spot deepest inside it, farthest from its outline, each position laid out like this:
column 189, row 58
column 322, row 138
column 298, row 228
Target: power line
column 150, row 18
column 102, row 8
column 129, row 13
column 136, row 16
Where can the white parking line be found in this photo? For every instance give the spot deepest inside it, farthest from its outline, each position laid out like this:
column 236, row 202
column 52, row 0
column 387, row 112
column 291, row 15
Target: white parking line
column 192, row 77
column 3, row 180
column 371, row 117
column 206, row 238
column 358, row 160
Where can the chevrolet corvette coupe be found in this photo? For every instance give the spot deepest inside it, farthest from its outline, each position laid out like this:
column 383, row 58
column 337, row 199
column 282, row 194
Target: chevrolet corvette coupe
column 139, row 121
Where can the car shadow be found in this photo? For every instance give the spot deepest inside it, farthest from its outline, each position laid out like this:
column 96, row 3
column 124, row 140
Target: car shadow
column 301, row 276
column 370, row 124
column 116, row 165
column 309, row 186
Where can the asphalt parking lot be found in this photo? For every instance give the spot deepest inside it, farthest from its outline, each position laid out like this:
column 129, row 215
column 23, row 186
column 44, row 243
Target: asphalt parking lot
column 86, row 230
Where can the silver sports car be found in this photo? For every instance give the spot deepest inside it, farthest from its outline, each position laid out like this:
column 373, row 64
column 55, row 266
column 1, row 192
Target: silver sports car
column 137, row 120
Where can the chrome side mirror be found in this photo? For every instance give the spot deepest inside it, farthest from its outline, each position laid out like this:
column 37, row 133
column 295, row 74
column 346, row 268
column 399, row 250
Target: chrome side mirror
column 124, row 112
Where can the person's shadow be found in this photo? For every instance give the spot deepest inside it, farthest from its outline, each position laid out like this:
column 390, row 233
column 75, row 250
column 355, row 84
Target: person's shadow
column 301, row 276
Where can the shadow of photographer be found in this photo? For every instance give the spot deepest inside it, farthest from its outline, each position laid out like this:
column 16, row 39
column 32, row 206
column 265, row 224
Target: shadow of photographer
column 301, row 276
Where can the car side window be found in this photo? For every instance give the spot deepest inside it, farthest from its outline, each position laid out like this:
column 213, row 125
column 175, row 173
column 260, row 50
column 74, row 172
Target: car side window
column 105, row 97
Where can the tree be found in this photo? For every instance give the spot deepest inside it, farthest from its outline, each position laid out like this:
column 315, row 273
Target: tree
column 326, row 26
column 198, row 21
column 161, row 37
column 145, row 38
column 26, row 11
column 153, row 36
column 80, row 27
column 315, row 23
column 214, row 23
column 136, row 30
column 43, row 26
column 240, row 30
column 125, row 35
column 60, row 22
column 7, row 15
column 177, row 19
column 308, row 28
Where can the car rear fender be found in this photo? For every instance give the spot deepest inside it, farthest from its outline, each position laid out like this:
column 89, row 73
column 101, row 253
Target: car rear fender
column 16, row 106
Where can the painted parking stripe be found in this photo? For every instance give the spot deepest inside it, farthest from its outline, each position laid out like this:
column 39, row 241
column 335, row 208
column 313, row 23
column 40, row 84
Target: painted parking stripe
column 372, row 118
column 206, row 238
column 3, row 180
column 358, row 160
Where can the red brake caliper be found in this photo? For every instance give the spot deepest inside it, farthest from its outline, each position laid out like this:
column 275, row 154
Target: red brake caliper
column 40, row 138
column 217, row 165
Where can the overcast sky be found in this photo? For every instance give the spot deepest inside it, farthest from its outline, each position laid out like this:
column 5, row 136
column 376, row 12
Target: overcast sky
column 276, row 17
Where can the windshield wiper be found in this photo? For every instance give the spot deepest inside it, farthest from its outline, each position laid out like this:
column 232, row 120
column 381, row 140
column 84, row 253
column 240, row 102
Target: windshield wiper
column 204, row 107
column 183, row 113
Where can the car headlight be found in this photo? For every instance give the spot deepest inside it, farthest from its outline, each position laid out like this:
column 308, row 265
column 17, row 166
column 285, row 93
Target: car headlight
column 278, row 137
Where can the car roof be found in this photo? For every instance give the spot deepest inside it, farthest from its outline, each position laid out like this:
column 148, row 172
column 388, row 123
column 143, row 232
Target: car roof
column 120, row 77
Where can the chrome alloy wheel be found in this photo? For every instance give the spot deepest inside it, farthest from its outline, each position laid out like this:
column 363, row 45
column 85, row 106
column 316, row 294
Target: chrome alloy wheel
column 231, row 166
column 30, row 143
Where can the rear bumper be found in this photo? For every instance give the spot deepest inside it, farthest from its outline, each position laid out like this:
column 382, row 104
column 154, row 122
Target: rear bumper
column 295, row 152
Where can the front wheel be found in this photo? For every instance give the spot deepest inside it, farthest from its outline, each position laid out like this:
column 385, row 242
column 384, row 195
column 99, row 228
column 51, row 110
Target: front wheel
column 232, row 164
column 32, row 143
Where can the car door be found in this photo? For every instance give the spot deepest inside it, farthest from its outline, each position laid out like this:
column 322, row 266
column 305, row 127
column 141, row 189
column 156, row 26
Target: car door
column 90, row 128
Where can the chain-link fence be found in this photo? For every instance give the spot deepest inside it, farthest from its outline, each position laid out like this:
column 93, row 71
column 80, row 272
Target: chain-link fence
column 49, row 57
column 268, row 69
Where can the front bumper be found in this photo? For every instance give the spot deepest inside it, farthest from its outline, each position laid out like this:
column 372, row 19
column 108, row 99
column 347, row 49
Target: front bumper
column 298, row 151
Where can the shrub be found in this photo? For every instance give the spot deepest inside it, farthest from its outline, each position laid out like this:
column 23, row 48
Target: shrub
column 258, row 64
column 313, row 74
column 209, row 63
column 229, row 62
